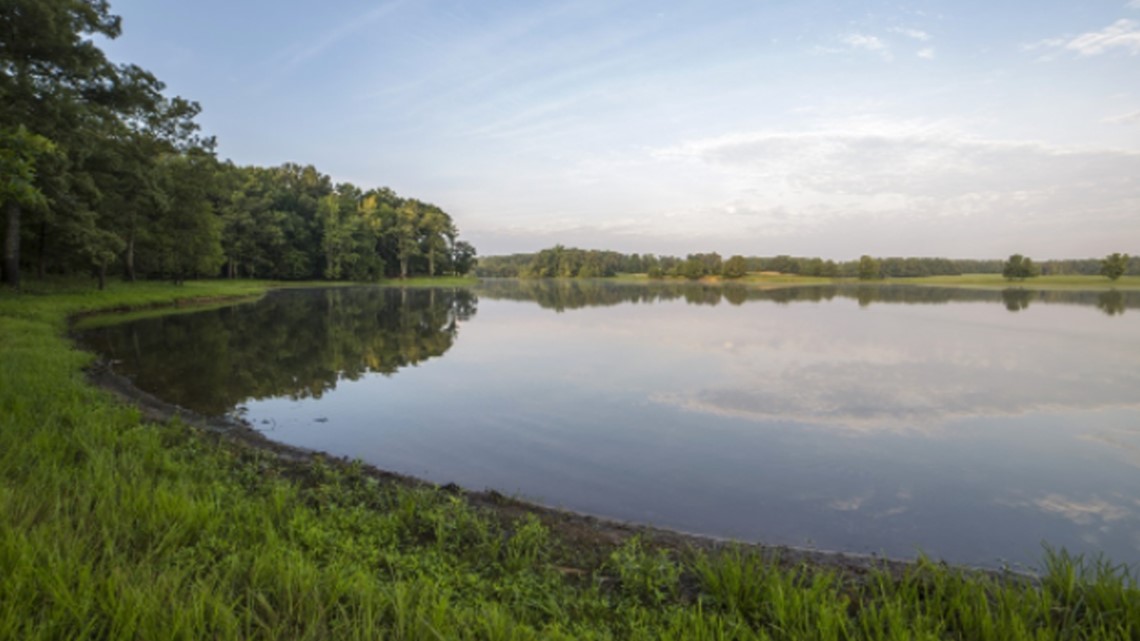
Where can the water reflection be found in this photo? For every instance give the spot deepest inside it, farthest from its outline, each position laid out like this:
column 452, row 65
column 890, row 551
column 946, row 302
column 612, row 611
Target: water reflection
column 867, row 418
column 293, row 343
column 568, row 294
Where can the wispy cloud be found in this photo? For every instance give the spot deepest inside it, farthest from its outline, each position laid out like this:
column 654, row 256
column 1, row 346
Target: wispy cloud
column 1122, row 35
column 288, row 59
column 916, row 34
column 340, row 32
column 864, row 42
column 926, row 53
column 1125, row 119
column 853, row 172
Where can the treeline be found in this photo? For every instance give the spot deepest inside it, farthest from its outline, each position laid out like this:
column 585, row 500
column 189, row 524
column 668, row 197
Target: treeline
column 102, row 173
column 562, row 262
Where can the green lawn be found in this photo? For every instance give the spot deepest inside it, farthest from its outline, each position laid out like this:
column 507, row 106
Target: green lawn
column 1040, row 282
column 114, row 528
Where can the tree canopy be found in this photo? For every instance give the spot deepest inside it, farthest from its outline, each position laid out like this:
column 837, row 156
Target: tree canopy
column 1019, row 267
column 1114, row 265
column 102, row 171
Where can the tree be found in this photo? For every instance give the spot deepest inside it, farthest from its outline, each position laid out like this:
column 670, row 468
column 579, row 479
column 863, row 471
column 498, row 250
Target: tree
column 462, row 257
column 19, row 151
column 869, row 268
column 1019, row 267
column 1114, row 265
column 692, row 268
column 735, row 267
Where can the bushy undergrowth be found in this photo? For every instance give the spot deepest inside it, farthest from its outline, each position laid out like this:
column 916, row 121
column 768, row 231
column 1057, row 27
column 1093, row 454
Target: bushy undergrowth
column 113, row 528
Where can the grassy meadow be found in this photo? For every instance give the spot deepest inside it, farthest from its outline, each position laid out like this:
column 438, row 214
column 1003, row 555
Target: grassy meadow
column 115, row 528
column 982, row 281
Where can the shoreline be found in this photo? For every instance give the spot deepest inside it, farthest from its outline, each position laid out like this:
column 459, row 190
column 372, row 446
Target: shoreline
column 141, row 518
column 601, row 533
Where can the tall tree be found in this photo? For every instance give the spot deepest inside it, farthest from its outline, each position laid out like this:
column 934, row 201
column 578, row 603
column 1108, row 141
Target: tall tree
column 19, row 151
column 869, row 268
column 49, row 66
column 1114, row 265
column 735, row 267
column 1019, row 267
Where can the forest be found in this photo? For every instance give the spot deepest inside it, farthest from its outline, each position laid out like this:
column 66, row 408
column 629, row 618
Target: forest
column 103, row 173
column 564, row 262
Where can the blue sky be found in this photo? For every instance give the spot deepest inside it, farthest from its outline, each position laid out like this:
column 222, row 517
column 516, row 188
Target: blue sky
column 967, row 129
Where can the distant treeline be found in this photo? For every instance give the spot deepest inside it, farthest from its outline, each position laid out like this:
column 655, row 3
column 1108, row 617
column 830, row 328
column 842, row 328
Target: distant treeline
column 563, row 262
column 101, row 172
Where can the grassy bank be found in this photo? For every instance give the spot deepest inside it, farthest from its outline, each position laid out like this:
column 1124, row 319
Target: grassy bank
column 437, row 281
column 985, row 281
column 112, row 528
column 995, row 281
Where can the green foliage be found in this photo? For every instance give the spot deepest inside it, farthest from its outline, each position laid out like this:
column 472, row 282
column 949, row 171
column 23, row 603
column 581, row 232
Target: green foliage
column 869, row 268
column 1019, row 267
column 735, row 267
column 649, row 577
column 1114, row 266
column 111, row 527
column 20, row 150
column 101, row 169
column 692, row 269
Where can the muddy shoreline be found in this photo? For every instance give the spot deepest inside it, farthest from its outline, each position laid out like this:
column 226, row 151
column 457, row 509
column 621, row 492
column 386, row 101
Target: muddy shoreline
column 593, row 536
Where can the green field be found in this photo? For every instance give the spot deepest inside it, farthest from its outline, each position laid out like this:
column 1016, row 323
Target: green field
column 115, row 528
column 1039, row 282
column 988, row 281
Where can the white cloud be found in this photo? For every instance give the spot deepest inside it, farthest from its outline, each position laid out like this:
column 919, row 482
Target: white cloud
column 1125, row 119
column 928, row 179
column 916, row 34
column 862, row 41
column 926, row 53
column 1121, row 35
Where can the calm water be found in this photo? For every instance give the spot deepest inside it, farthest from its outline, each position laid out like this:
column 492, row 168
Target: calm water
column 971, row 425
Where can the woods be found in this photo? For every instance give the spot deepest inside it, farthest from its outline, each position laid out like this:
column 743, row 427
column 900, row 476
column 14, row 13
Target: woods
column 103, row 173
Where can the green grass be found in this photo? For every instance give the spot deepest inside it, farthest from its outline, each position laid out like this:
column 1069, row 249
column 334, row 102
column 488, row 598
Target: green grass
column 435, row 281
column 113, row 528
column 1040, row 282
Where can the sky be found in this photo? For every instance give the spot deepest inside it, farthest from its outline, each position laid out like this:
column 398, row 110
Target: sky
column 957, row 128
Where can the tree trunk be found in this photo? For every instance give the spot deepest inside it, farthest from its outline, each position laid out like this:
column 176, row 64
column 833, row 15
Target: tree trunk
column 403, row 268
column 431, row 262
column 41, row 259
column 102, row 276
column 12, row 246
column 129, row 259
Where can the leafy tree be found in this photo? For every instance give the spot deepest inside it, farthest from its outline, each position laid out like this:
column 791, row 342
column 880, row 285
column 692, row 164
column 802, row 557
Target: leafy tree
column 50, row 70
column 19, row 151
column 735, row 267
column 462, row 257
column 1114, row 265
column 1019, row 267
column 692, row 268
column 869, row 268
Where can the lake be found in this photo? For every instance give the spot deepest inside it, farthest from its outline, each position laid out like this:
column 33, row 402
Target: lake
column 972, row 425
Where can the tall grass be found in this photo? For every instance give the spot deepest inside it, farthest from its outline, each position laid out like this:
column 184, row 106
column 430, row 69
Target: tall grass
column 112, row 528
